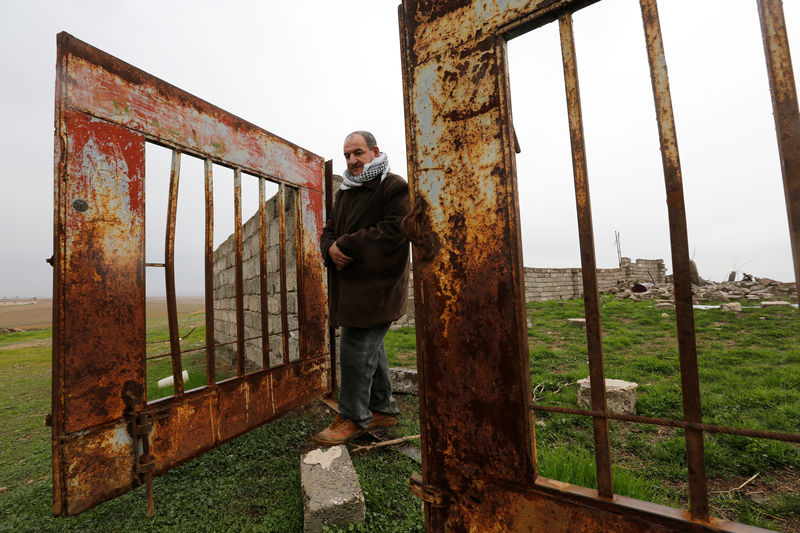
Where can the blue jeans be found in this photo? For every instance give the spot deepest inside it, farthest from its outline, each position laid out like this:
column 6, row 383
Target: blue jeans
column 365, row 387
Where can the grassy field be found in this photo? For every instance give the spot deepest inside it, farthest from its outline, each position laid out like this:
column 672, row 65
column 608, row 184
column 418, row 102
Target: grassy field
column 749, row 373
column 251, row 483
column 749, row 366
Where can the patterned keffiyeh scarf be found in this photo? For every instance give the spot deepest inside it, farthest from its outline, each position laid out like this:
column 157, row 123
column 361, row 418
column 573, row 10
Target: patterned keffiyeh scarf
column 377, row 167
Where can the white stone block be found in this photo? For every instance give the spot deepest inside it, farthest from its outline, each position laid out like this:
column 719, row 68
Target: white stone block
column 620, row 395
column 332, row 494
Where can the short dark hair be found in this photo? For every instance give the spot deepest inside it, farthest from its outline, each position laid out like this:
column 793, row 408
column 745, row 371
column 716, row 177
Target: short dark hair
column 368, row 137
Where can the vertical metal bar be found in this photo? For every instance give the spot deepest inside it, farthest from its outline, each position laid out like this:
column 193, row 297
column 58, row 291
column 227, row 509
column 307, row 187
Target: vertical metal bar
column 331, row 278
column 239, row 287
column 209, row 256
column 785, row 110
column 298, row 265
column 169, row 273
column 284, row 307
column 687, row 348
column 262, row 261
column 59, row 266
column 588, row 262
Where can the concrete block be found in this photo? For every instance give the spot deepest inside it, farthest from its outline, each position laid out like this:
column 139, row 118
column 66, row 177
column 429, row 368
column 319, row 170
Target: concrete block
column 664, row 305
column 620, row 395
column 404, row 380
column 736, row 307
column 578, row 322
column 777, row 303
column 331, row 492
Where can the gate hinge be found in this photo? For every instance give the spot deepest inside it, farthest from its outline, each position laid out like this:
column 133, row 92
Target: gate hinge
column 427, row 493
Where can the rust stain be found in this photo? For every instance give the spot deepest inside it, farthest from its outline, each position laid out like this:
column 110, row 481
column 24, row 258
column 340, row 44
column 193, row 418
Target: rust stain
column 102, row 85
column 103, row 270
column 106, row 439
column 472, row 353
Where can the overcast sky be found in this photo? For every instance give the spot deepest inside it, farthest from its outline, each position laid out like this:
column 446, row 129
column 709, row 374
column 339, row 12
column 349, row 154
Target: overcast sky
column 311, row 71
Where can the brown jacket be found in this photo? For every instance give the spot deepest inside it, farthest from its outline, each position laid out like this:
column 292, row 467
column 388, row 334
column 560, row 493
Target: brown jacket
column 365, row 224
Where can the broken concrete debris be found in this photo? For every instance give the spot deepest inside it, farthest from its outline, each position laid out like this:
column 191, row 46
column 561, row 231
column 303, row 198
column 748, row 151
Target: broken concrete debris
column 753, row 290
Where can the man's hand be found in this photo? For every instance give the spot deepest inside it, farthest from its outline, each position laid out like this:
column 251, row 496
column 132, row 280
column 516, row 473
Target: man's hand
column 338, row 257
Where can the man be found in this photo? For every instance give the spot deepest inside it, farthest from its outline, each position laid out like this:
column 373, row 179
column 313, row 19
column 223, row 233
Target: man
column 362, row 241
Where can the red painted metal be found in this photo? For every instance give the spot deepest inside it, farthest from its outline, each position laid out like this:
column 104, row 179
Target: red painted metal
column 106, row 438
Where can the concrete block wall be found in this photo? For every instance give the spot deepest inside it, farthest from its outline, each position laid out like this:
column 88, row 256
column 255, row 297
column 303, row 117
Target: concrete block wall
column 545, row 284
column 225, row 289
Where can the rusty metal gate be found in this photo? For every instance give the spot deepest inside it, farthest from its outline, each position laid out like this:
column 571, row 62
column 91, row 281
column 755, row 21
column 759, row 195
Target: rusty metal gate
column 107, row 438
column 479, row 448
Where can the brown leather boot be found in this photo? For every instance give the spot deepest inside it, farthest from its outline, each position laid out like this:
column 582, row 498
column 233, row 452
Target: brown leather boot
column 382, row 420
column 340, row 431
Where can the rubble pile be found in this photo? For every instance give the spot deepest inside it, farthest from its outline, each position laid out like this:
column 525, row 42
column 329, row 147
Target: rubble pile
column 749, row 288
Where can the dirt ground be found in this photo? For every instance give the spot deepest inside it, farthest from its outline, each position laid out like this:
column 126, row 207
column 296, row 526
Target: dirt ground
column 40, row 314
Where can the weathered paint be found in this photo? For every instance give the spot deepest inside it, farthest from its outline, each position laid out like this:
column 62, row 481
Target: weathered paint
column 103, row 280
column 479, row 464
column 99, row 461
column 313, row 305
column 104, row 86
column 106, row 438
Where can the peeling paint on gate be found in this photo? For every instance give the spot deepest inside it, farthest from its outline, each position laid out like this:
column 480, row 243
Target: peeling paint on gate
column 106, row 438
column 476, row 412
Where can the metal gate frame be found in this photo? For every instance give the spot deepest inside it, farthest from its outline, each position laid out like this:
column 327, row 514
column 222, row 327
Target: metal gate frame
column 106, row 439
column 476, row 411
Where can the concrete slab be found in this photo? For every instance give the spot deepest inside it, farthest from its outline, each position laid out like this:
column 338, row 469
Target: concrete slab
column 331, row 492
column 404, row 380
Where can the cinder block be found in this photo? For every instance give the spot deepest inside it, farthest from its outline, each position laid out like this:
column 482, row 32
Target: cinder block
column 404, row 380
column 620, row 395
column 331, row 492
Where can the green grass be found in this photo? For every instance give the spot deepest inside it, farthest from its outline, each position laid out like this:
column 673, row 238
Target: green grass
column 401, row 347
column 749, row 369
column 251, row 483
column 749, row 377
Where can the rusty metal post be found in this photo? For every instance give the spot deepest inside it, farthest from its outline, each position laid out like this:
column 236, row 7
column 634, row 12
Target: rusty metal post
column 239, row 277
column 211, row 364
column 299, row 284
column 282, row 239
column 684, row 312
column 262, row 263
column 785, row 110
column 331, row 279
column 591, row 296
column 169, row 274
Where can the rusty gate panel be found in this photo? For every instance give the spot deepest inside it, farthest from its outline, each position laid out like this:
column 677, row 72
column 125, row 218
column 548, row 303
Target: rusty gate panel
column 478, row 441
column 104, row 239
column 106, row 438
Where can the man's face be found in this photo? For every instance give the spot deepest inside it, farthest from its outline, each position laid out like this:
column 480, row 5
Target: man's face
column 357, row 154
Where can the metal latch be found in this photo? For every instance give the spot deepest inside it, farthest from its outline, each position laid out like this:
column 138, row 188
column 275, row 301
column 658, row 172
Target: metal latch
column 427, row 493
column 140, row 425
